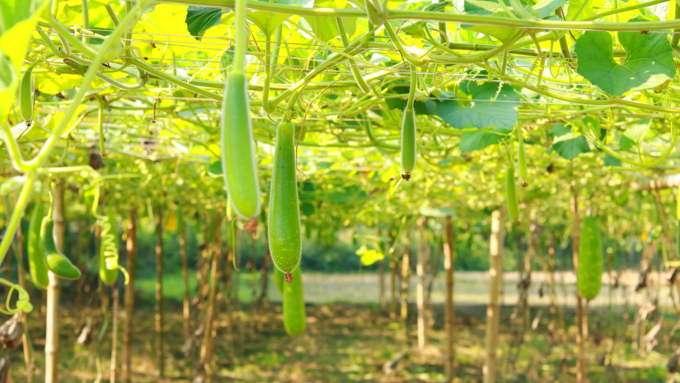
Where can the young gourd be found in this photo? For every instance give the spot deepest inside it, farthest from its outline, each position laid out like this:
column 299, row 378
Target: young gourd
column 56, row 262
column 294, row 316
column 36, row 258
column 238, row 148
column 511, row 194
column 284, row 213
column 589, row 271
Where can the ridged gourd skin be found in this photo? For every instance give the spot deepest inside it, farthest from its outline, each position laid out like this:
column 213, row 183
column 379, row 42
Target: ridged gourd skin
column 56, row 262
column 408, row 141
column 36, row 258
column 238, row 151
column 589, row 271
column 107, row 276
column 294, row 316
column 511, row 194
column 284, row 213
column 375, row 12
column 279, row 279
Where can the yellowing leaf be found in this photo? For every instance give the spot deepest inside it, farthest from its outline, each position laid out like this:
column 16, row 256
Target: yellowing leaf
column 171, row 224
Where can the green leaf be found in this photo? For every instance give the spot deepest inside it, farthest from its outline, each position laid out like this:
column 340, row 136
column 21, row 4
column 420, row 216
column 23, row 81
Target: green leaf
column 611, row 161
column 542, row 9
column 215, row 169
column 428, row 107
column 266, row 21
column 307, row 209
column 626, row 143
column 200, row 19
column 559, row 130
column 649, row 61
column 482, row 139
column 638, row 132
column 482, row 113
column 17, row 21
column 571, row 148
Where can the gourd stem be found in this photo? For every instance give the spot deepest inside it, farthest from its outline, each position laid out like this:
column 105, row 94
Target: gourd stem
column 240, row 35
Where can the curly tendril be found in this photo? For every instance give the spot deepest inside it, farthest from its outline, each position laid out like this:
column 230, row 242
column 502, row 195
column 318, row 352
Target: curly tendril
column 23, row 304
column 108, row 240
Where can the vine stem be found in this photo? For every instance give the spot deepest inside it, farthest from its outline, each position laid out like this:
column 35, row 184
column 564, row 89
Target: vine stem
column 240, row 42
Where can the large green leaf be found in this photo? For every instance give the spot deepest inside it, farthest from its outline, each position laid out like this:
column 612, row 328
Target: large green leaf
column 200, row 19
column 428, row 107
column 482, row 112
column 649, row 61
column 482, row 139
column 571, row 148
column 266, row 21
column 17, row 21
column 542, row 9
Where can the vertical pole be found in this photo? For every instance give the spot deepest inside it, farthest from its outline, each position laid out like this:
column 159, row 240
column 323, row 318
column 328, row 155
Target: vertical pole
column 493, row 310
column 405, row 270
column 575, row 243
column 383, row 300
column 185, row 276
column 131, row 247
column 159, row 292
column 114, row 334
column 450, row 316
column 209, row 333
column 54, row 292
column 420, row 292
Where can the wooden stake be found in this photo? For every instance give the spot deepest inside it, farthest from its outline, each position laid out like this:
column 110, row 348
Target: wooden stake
column 450, row 316
column 131, row 246
column 493, row 309
column 420, row 292
column 54, row 293
column 159, row 292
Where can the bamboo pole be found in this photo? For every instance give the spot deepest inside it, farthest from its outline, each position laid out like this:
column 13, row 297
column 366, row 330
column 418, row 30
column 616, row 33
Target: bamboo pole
column 114, row 334
column 393, row 278
column 159, row 292
column 383, row 299
column 131, row 246
column 668, row 181
column 405, row 271
column 450, row 315
column 185, row 276
column 576, row 240
column 493, row 309
column 209, row 333
column 54, row 293
column 420, row 292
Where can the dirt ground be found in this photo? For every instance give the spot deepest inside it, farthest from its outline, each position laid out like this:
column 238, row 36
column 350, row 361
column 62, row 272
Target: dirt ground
column 352, row 342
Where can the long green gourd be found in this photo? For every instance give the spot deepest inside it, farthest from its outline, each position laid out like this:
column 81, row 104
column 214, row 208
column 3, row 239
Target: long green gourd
column 238, row 151
column 511, row 194
column 284, row 212
column 36, row 259
column 56, row 262
column 408, row 131
column 26, row 94
column 294, row 317
column 589, row 271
